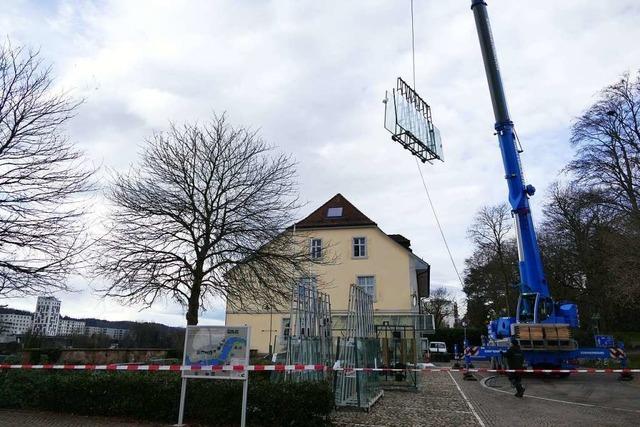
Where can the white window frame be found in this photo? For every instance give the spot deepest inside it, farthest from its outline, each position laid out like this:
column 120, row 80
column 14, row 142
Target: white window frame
column 373, row 286
column 315, row 252
column 364, row 245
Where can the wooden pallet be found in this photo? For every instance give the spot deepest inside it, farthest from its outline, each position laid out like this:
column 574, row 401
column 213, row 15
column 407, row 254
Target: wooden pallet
column 544, row 336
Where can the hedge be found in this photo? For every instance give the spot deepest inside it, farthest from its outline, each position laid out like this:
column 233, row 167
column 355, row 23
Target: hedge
column 452, row 336
column 154, row 396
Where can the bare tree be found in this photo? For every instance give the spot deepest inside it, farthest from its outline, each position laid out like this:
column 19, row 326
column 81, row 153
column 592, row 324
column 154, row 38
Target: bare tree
column 202, row 216
column 440, row 304
column 589, row 257
column 40, row 179
column 607, row 164
column 483, row 283
column 575, row 225
column 490, row 233
column 607, row 139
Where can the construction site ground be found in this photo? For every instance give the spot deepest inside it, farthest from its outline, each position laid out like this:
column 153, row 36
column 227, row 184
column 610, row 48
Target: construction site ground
column 444, row 398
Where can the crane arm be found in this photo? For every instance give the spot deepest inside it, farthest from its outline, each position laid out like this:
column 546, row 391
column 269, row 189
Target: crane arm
column 532, row 279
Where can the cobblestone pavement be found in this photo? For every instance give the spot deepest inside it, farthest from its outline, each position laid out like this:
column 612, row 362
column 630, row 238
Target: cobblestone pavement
column 19, row 418
column 436, row 402
column 580, row 400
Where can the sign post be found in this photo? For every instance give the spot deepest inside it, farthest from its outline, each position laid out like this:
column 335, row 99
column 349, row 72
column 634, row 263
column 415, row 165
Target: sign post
column 212, row 348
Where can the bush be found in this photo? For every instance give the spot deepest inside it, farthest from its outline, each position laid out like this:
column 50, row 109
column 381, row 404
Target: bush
column 12, row 359
column 155, row 397
column 174, row 353
column 43, row 356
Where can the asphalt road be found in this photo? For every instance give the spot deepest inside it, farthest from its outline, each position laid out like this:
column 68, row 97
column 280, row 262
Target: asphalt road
column 579, row 400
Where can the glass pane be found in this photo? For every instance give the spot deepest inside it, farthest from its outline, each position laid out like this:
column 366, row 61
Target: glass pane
column 334, row 212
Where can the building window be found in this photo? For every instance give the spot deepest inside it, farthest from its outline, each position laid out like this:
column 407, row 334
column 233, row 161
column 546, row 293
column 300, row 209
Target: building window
column 316, row 248
column 334, row 212
column 286, row 327
column 309, row 282
column 359, row 247
column 368, row 284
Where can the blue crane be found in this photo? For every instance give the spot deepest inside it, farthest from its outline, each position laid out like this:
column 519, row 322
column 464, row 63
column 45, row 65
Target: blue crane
column 535, row 304
column 540, row 324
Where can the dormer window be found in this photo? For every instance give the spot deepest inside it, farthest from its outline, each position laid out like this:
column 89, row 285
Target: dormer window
column 334, row 212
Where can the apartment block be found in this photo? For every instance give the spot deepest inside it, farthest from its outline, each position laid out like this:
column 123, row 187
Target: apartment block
column 14, row 322
column 46, row 318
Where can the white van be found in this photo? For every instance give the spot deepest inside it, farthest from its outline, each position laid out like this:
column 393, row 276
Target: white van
column 438, row 351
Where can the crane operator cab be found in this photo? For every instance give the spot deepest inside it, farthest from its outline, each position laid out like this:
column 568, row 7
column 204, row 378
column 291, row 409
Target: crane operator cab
column 535, row 308
column 543, row 324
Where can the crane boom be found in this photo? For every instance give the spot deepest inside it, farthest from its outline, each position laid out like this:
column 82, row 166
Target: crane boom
column 535, row 304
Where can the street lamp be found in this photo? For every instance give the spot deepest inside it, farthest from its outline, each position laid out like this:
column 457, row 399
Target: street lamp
column 464, row 325
column 270, row 308
column 467, row 357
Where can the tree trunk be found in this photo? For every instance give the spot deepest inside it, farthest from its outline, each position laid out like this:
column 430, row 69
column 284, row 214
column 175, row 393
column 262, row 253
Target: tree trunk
column 192, row 311
column 194, row 298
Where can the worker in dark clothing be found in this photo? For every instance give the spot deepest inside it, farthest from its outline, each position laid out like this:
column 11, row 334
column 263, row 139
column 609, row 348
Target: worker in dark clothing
column 515, row 360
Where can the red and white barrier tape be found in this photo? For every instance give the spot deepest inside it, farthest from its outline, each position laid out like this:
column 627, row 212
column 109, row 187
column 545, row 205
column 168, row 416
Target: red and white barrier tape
column 297, row 368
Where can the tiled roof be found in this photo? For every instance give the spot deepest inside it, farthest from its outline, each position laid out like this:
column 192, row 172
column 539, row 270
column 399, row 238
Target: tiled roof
column 330, row 215
column 400, row 239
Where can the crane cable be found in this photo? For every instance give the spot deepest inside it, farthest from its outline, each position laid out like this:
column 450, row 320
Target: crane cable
column 424, row 184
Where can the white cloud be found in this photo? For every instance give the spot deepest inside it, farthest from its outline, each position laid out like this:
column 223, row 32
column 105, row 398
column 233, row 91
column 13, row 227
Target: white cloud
column 311, row 76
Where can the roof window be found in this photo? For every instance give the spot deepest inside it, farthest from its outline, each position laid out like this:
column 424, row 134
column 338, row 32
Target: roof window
column 334, row 212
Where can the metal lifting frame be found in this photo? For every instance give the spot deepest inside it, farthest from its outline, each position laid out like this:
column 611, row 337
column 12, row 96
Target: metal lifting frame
column 310, row 341
column 412, row 125
column 360, row 348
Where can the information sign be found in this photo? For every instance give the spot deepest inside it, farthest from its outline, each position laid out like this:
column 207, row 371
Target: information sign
column 216, row 346
column 208, row 346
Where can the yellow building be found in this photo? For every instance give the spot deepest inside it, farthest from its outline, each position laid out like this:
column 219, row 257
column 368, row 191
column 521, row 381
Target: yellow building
column 361, row 253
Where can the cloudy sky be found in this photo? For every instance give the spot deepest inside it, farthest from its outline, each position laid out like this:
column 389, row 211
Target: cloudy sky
column 311, row 76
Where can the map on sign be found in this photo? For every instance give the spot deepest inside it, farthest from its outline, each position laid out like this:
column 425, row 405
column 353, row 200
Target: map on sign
column 216, row 346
